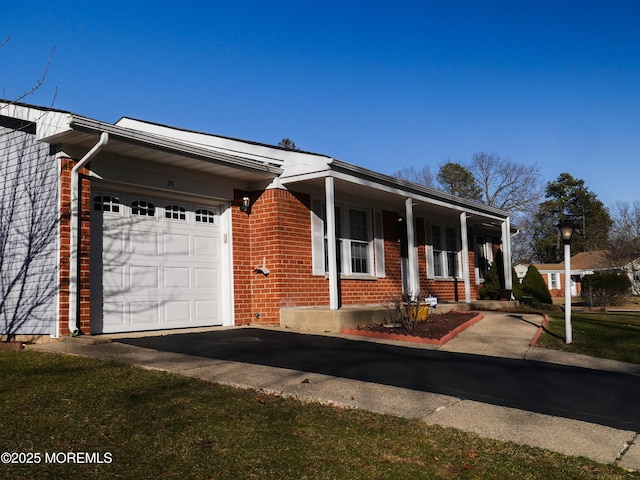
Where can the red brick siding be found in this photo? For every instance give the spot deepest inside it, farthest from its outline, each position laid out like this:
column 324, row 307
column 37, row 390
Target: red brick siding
column 278, row 229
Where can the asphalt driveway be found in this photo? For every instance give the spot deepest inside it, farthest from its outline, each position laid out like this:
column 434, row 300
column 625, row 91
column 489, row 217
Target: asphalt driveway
column 593, row 396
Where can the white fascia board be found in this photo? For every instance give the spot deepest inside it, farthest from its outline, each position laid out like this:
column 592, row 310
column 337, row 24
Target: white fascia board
column 49, row 122
column 254, row 151
column 420, row 198
column 306, row 167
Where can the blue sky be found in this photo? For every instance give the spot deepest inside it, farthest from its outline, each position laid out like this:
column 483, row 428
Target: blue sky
column 379, row 84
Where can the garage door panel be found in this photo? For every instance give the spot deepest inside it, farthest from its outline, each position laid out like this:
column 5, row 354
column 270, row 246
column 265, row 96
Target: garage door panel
column 113, row 243
column 177, row 312
column 155, row 272
column 143, row 242
column 207, row 247
column 113, row 278
column 177, row 277
column 114, row 316
column 143, row 277
column 207, row 311
column 144, row 313
column 206, row 278
column 175, row 244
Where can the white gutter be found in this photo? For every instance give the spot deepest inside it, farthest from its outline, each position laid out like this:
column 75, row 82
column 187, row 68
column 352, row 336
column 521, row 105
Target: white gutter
column 74, row 265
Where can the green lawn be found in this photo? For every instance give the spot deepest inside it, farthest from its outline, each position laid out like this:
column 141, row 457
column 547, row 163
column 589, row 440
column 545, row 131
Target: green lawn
column 607, row 335
column 155, row 425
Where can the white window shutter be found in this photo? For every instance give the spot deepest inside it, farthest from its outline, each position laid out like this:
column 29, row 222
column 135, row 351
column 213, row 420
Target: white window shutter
column 378, row 243
column 317, row 238
column 430, row 270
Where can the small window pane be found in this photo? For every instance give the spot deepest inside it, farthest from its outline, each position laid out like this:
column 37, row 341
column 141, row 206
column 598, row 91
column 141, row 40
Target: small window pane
column 358, row 225
column 205, row 216
column 359, row 257
column 145, row 209
column 175, row 212
column 105, row 203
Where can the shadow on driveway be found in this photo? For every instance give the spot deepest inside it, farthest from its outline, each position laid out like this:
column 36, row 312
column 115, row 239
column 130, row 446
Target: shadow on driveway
column 593, row 396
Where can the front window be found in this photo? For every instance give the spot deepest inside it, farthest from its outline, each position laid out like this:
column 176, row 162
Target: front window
column 359, row 240
column 445, row 252
column 353, row 241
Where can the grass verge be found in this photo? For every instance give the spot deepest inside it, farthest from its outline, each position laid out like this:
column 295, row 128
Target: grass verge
column 158, row 425
column 615, row 336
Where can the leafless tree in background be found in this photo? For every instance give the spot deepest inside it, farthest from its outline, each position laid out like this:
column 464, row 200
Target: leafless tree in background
column 505, row 184
column 420, row 176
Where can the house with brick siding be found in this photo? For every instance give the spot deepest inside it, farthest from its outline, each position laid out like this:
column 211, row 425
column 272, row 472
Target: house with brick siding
column 582, row 264
column 151, row 227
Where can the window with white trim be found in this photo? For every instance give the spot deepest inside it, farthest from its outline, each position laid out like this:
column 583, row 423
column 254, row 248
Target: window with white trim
column 175, row 212
column 106, row 203
column 356, row 248
column 143, row 208
column 444, row 252
column 553, row 281
column 205, row 216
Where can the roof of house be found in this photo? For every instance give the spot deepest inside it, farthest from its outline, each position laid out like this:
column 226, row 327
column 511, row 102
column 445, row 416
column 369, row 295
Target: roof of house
column 224, row 155
column 595, row 260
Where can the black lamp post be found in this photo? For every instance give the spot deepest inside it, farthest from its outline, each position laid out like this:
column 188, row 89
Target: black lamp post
column 566, row 228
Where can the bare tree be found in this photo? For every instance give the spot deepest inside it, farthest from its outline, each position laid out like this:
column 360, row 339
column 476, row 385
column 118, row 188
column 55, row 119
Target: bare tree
column 505, row 184
column 36, row 85
column 28, row 222
column 624, row 240
column 421, row 176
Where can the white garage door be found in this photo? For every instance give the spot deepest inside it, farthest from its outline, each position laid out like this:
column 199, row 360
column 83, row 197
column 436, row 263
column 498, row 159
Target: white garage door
column 155, row 263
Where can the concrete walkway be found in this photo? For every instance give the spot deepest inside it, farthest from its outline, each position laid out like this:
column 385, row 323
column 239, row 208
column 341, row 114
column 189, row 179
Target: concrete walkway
column 497, row 334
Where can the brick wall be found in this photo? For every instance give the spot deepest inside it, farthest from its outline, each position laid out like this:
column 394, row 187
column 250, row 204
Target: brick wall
column 84, row 277
column 278, row 230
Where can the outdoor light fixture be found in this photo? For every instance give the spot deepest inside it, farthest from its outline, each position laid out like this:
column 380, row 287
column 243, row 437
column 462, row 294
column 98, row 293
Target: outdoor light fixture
column 246, row 203
column 565, row 228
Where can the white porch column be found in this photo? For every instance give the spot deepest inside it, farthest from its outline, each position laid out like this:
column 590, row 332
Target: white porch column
column 465, row 257
column 334, row 300
column 506, row 253
column 414, row 280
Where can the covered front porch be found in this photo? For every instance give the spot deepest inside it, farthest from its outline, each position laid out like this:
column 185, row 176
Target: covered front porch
column 375, row 235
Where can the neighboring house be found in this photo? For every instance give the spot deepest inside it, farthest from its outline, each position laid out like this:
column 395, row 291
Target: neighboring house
column 633, row 271
column 146, row 227
column 583, row 263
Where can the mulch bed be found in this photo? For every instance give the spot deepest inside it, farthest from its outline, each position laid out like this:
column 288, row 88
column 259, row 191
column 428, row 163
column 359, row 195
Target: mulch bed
column 437, row 329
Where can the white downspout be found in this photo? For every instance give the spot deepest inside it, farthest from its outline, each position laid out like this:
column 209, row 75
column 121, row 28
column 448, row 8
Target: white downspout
column 74, row 265
column 466, row 274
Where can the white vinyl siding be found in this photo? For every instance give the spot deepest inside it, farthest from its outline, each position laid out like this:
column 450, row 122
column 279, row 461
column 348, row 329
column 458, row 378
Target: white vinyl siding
column 28, row 232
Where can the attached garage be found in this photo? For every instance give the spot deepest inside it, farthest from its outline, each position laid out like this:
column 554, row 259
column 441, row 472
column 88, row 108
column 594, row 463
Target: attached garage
column 155, row 263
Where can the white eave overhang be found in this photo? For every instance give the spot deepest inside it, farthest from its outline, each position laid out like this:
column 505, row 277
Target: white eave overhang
column 364, row 182
column 82, row 133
